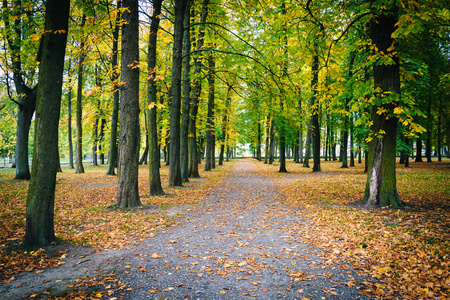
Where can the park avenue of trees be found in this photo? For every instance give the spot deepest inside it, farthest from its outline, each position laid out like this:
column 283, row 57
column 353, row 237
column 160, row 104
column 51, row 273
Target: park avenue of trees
column 187, row 79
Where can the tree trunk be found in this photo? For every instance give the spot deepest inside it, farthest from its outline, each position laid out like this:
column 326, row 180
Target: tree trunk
column 69, row 118
column 359, row 155
column 25, row 114
column 266, row 152
column 184, row 135
column 258, row 149
column 101, row 141
column 154, row 159
column 175, row 104
column 419, row 150
column 128, row 168
column 344, row 144
column 112, row 156
column 79, row 117
column 352, row 150
column 196, row 92
column 210, row 116
column 26, row 97
column 95, row 143
column 307, row 147
column 429, row 131
column 315, row 131
column 439, row 131
column 41, row 192
column 224, row 127
column 272, row 142
column 144, row 155
column 381, row 189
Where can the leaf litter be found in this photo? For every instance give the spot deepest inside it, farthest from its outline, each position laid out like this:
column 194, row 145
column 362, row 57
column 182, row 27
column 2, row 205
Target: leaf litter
column 400, row 253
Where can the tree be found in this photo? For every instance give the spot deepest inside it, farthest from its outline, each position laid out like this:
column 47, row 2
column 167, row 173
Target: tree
column 69, row 117
column 26, row 94
column 79, row 115
column 112, row 157
column 128, row 166
column 210, row 128
column 41, row 192
column 196, row 92
column 175, row 104
column 154, row 160
column 184, row 133
column 381, row 189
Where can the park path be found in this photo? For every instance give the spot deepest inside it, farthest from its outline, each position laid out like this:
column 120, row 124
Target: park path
column 240, row 243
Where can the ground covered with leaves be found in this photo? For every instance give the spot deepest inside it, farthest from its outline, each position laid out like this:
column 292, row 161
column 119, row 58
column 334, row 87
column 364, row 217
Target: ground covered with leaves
column 85, row 214
column 407, row 250
column 403, row 253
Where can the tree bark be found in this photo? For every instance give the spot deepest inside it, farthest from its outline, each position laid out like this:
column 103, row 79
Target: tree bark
column 154, row 159
column 175, row 105
column 41, row 192
column 419, row 150
column 381, row 189
column 184, row 134
column 128, row 167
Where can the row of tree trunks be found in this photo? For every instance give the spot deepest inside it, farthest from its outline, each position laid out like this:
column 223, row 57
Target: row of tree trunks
column 196, row 92
column 175, row 104
column 112, row 157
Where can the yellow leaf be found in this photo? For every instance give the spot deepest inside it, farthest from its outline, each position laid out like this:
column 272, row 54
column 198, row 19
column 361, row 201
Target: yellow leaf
column 223, row 292
column 156, row 255
column 127, row 267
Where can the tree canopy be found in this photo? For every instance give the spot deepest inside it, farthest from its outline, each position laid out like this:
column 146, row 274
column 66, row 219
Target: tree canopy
column 300, row 79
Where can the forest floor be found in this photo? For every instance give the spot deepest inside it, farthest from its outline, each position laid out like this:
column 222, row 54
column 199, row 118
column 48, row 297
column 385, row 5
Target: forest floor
column 241, row 231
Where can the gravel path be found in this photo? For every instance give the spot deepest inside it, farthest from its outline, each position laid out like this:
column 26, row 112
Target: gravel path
column 239, row 244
